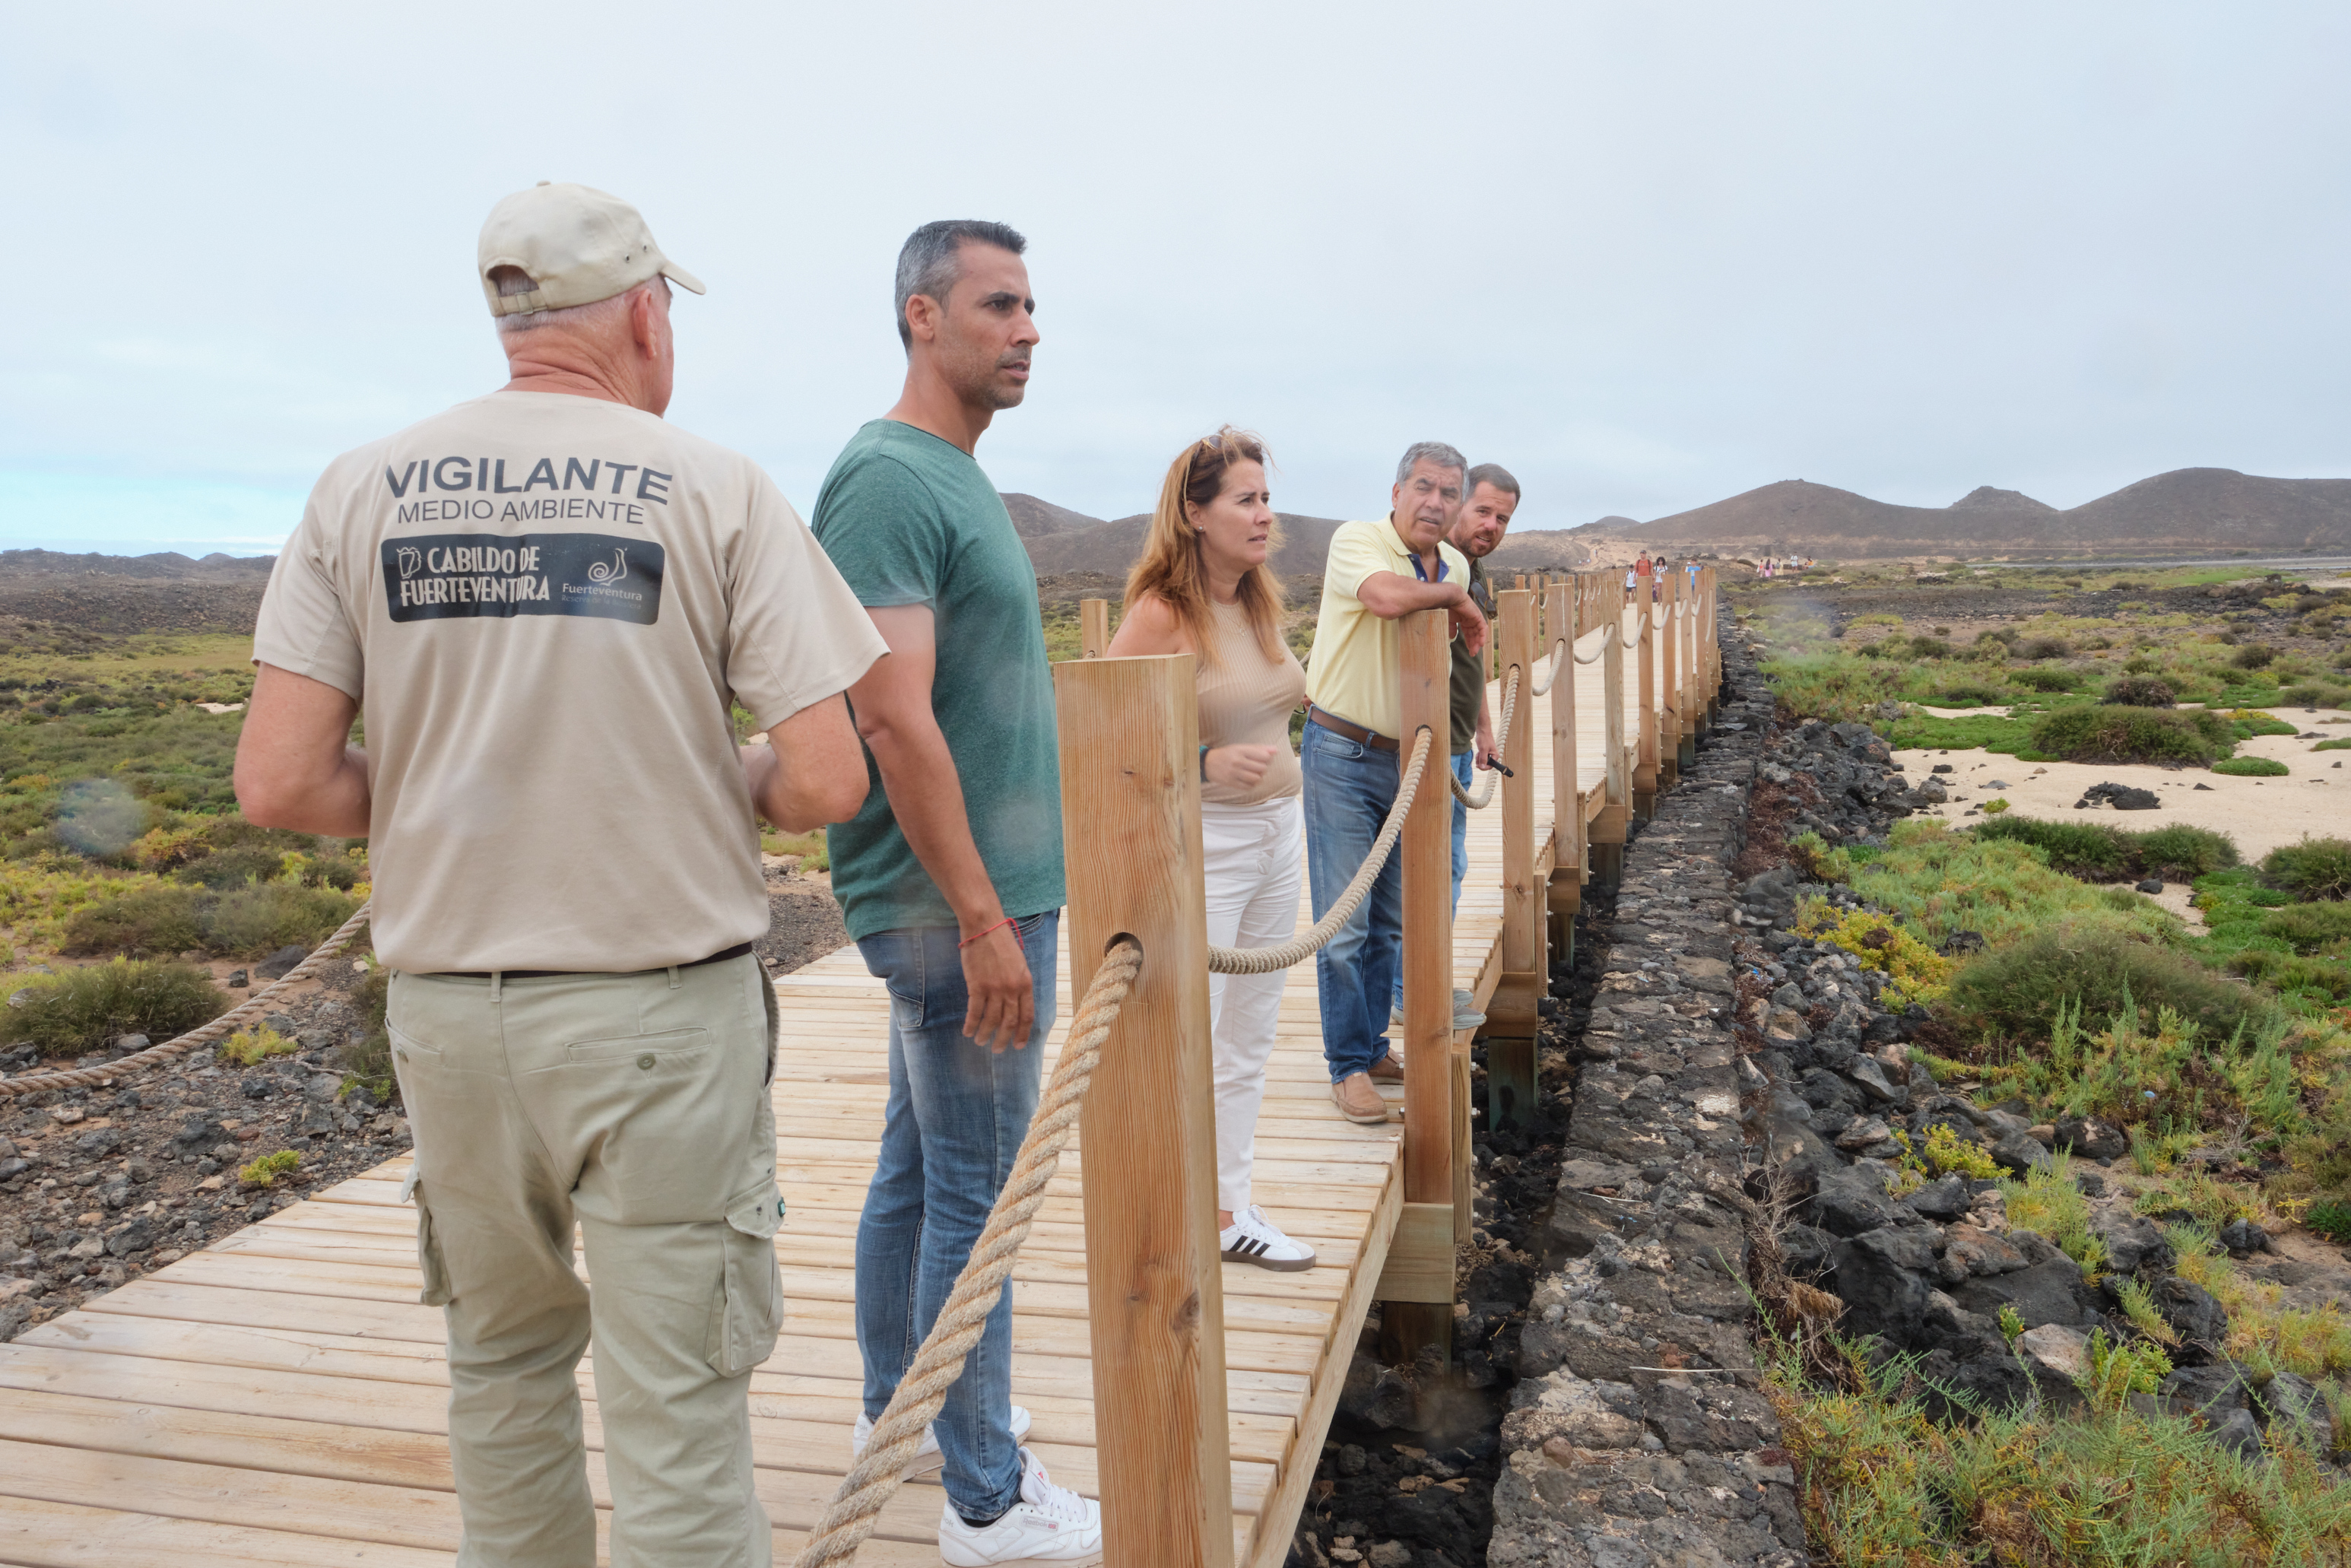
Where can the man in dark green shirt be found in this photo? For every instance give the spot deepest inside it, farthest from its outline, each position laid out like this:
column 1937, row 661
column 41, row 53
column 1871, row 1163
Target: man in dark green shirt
column 950, row 876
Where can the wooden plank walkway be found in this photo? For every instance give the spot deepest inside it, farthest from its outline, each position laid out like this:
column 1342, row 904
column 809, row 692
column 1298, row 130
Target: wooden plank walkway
column 279, row 1398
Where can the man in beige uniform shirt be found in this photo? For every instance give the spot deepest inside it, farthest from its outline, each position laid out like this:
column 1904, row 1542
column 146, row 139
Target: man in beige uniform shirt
column 545, row 599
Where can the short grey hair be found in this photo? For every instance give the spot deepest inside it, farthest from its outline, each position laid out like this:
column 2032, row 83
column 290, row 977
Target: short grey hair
column 1436, row 452
column 928, row 265
column 595, row 313
column 1493, row 474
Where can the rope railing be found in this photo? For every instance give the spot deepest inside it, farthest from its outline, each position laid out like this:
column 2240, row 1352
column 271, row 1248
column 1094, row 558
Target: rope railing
column 1552, row 666
column 1483, row 796
column 1607, row 636
column 1266, row 961
column 98, row 1077
column 877, row 1475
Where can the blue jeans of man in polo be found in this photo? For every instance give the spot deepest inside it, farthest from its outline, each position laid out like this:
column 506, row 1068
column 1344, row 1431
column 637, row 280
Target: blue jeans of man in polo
column 956, row 1117
column 1350, row 788
column 1464, row 770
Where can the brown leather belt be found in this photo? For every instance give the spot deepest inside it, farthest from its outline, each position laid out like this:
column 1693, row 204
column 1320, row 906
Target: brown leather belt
column 740, row 949
column 1354, row 732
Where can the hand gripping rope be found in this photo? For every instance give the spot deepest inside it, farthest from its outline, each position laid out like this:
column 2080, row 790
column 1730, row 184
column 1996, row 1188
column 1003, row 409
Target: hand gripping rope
column 96, row 1077
column 876, row 1477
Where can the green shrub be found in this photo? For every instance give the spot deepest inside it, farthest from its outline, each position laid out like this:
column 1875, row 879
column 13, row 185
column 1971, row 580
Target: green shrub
column 2253, row 656
column 81, row 1010
column 2104, row 734
column 140, row 922
column 266, row 1170
column 247, row 1046
column 233, row 867
column 2138, row 691
column 2078, row 849
column 2041, row 678
column 2251, row 768
column 2314, row 694
column 1930, row 648
column 256, row 921
column 2042, row 648
column 2326, row 976
column 2311, row 869
column 2184, row 853
column 2340, row 743
column 2013, row 993
column 2330, row 1219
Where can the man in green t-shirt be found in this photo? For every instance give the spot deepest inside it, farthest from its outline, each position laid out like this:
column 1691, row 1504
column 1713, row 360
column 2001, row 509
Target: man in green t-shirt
column 951, row 875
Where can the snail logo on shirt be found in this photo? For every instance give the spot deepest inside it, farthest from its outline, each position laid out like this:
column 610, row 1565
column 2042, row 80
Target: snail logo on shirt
column 441, row 577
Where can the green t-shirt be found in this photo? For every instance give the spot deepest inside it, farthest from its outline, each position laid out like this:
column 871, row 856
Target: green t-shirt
column 1468, row 668
column 909, row 519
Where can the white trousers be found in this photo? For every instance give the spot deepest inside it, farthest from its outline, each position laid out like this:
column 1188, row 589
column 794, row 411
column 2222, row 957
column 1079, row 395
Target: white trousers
column 1253, row 856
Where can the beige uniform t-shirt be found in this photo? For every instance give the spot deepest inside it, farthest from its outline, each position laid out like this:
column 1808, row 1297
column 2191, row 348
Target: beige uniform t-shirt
column 542, row 602
column 1352, row 672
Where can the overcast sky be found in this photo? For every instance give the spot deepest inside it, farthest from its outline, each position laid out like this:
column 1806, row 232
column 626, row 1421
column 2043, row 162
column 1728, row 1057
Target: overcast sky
column 1646, row 256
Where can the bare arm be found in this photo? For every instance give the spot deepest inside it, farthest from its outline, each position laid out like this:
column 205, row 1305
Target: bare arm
column 893, row 704
column 1149, row 627
column 295, row 767
column 810, row 771
column 1391, row 596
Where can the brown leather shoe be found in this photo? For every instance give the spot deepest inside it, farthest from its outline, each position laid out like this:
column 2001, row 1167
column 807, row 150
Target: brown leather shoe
column 1387, row 1070
column 1358, row 1101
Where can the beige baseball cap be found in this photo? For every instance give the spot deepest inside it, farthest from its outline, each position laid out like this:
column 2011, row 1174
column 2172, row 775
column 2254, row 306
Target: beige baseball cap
column 579, row 245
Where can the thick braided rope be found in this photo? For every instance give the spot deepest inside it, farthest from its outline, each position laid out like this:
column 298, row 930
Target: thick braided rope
column 1558, row 662
column 95, row 1077
column 1608, row 634
column 876, row 1477
column 1266, row 961
column 1484, row 795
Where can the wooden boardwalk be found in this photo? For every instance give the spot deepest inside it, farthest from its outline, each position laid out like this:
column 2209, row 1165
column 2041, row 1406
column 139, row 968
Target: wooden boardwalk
column 279, row 1398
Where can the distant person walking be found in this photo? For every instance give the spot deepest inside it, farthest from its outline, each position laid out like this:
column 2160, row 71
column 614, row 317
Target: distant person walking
column 950, row 876
column 1376, row 573
column 1477, row 532
column 1203, row 588
column 568, row 877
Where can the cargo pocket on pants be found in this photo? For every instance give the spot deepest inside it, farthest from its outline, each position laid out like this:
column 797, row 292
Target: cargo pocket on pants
column 749, row 1312
column 429, row 1261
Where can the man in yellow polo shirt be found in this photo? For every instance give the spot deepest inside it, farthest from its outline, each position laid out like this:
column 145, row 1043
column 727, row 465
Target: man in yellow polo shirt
column 1377, row 573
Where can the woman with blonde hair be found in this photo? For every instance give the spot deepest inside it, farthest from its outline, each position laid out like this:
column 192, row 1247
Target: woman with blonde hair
column 1203, row 588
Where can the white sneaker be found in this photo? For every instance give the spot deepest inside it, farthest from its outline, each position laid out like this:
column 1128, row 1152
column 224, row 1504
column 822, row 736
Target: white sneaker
column 927, row 1457
column 1251, row 1237
column 1049, row 1524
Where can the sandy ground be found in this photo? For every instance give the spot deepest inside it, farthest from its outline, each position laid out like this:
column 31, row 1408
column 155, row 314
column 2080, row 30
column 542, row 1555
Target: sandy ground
column 2259, row 813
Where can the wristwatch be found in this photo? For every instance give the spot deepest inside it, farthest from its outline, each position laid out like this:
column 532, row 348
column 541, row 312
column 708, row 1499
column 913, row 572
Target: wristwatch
column 1204, row 765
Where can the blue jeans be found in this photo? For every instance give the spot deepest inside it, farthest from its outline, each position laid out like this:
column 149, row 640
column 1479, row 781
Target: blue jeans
column 1464, row 771
column 956, row 1117
column 1350, row 788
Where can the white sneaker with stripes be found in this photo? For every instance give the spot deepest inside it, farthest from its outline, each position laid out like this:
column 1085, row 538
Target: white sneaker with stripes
column 927, row 1457
column 1251, row 1237
column 1050, row 1525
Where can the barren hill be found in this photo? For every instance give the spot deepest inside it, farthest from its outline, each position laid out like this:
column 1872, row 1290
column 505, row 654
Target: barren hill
column 2185, row 510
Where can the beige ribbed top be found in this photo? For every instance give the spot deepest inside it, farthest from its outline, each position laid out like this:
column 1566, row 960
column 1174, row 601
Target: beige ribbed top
column 1245, row 700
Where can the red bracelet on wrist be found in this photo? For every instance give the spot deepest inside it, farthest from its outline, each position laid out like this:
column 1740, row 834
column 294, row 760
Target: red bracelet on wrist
column 1007, row 920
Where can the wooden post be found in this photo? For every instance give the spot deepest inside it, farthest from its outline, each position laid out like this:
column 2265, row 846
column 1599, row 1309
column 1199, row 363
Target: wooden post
column 1131, row 821
column 1425, row 1318
column 1560, row 620
column 1611, row 826
column 1644, row 766
column 1514, row 1013
column 1093, row 628
column 1669, row 713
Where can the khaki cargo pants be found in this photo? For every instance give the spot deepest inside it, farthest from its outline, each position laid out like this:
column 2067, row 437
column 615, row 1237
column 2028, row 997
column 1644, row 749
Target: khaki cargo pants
column 636, row 1105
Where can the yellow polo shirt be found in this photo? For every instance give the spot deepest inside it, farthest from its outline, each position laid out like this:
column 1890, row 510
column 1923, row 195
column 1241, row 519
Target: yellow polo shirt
column 1351, row 673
